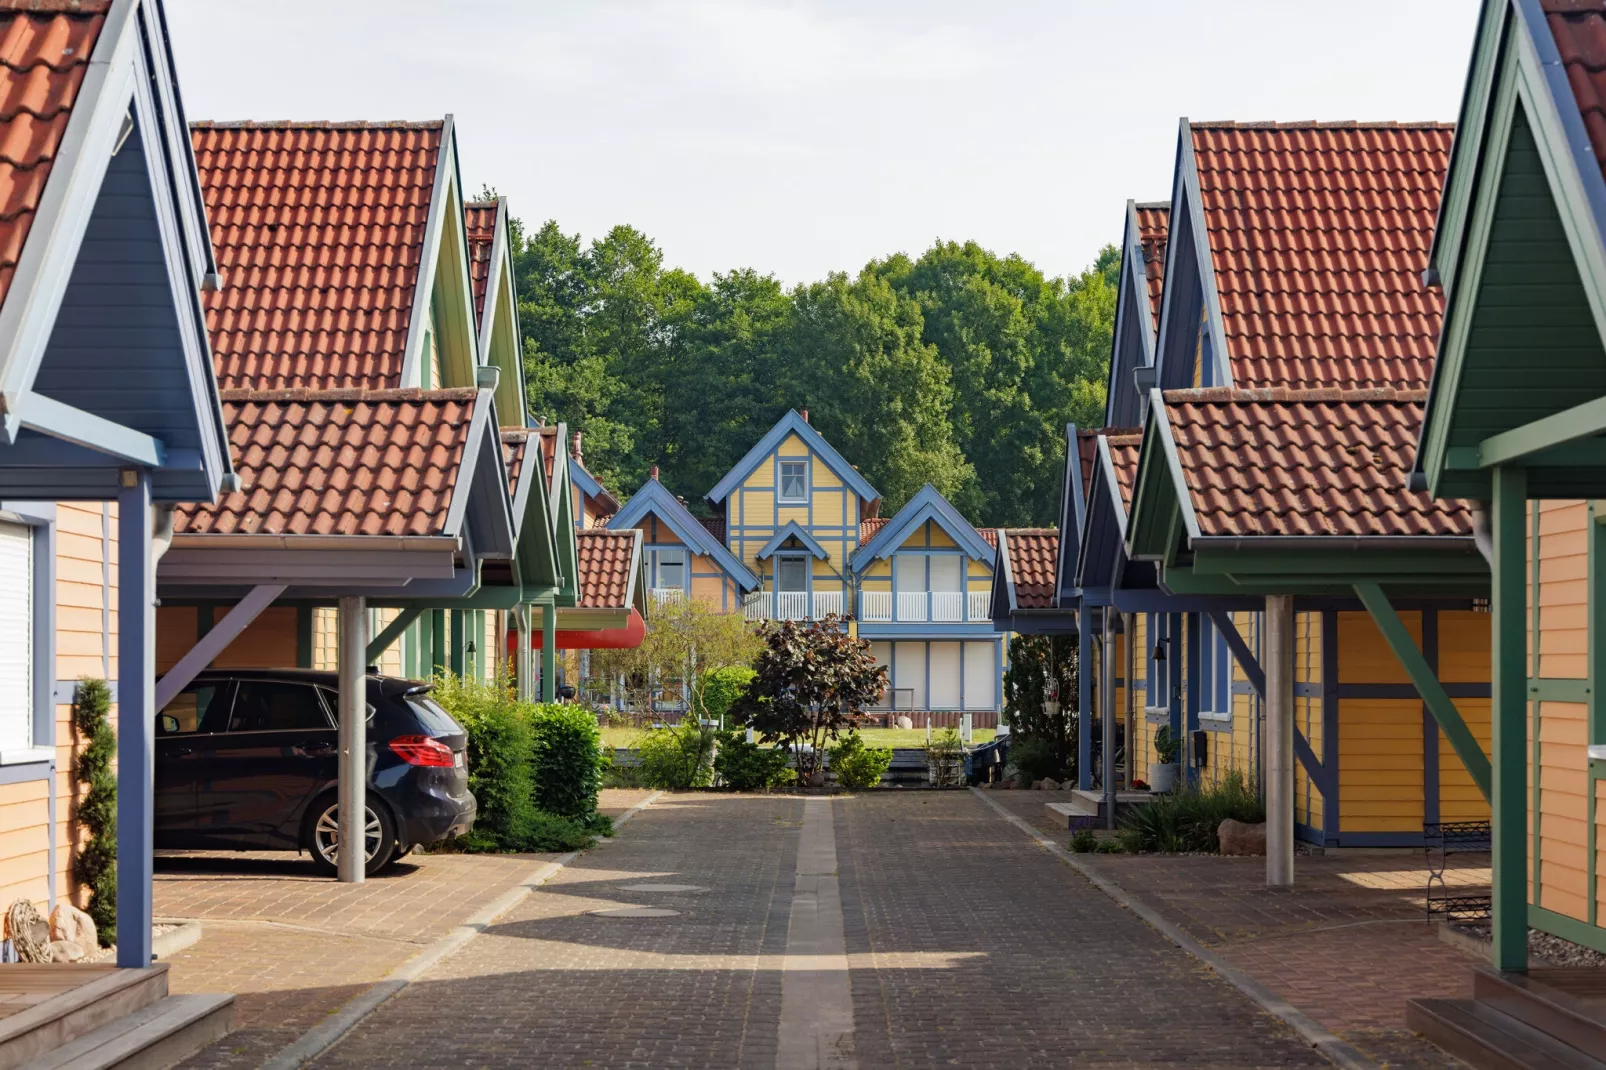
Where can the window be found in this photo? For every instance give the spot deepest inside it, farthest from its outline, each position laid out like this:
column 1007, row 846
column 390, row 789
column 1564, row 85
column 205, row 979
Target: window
column 669, row 569
column 271, row 706
column 947, row 573
column 1215, row 671
column 198, row 708
column 791, row 574
column 794, row 481
column 16, row 636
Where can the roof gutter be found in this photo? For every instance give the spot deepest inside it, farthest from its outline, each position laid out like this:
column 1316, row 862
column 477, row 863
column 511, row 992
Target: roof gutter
column 1334, row 542
column 354, row 543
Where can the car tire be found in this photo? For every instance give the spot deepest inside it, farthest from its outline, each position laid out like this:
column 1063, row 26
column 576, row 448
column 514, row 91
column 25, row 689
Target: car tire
column 320, row 841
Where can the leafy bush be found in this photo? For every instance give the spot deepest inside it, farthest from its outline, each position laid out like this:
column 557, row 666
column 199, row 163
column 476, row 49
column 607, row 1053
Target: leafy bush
column 721, row 687
column 678, row 757
column 1035, row 759
column 567, row 758
column 1166, row 746
column 501, row 775
column 856, row 766
column 1187, row 821
column 1083, row 841
column 744, row 766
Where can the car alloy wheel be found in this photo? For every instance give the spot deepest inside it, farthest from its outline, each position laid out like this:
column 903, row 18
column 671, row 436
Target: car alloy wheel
column 326, row 834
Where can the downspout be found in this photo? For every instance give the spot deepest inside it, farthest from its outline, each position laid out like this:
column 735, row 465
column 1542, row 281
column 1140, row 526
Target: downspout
column 1482, row 538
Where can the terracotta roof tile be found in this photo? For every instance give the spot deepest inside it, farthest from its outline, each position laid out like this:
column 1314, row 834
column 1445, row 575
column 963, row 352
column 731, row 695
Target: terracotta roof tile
column 1124, row 450
column 1319, row 233
column 346, row 462
column 715, row 526
column 1154, row 219
column 44, row 53
column 989, row 536
column 1033, row 555
column 1318, row 462
column 870, row 527
column 319, row 234
column 515, row 444
column 605, row 558
column 479, row 227
column 1579, row 29
column 549, row 449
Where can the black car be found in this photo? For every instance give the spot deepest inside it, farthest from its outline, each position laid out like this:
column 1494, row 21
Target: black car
column 247, row 760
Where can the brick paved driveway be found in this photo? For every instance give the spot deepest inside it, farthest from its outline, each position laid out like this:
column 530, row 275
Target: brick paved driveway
column 966, row 944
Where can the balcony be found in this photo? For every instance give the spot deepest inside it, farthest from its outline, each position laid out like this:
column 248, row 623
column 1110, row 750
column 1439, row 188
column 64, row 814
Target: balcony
column 792, row 605
column 665, row 596
column 919, row 607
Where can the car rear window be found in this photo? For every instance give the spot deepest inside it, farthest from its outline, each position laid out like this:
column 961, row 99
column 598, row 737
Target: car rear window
column 431, row 717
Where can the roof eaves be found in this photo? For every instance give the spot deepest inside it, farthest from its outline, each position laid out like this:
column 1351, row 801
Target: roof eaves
column 793, row 423
column 655, row 498
column 792, row 530
column 927, row 504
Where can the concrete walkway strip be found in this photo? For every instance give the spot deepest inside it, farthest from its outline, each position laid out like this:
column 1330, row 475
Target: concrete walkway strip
column 316, row 1041
column 816, row 1029
column 1334, row 1048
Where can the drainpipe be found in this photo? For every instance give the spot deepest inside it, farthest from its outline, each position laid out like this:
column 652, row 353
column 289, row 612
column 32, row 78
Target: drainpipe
column 1481, row 536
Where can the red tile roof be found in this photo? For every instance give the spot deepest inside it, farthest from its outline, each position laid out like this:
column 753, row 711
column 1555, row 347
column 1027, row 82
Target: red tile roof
column 549, row 449
column 44, row 53
column 1033, row 553
column 319, row 233
column 1579, row 29
column 715, row 526
column 347, row 462
column 1124, row 450
column 479, row 227
column 605, row 560
column 1313, row 462
column 1087, row 450
column 870, row 527
column 1319, row 233
column 1154, row 219
column 989, row 536
column 515, row 446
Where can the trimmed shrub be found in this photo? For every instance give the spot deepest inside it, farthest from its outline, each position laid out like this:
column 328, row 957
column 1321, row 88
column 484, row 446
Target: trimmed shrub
column 856, row 766
column 1035, row 759
column 678, row 757
column 96, row 864
column 568, row 761
column 1187, row 820
column 554, row 832
column 720, row 689
column 744, row 766
column 1083, row 841
column 500, row 772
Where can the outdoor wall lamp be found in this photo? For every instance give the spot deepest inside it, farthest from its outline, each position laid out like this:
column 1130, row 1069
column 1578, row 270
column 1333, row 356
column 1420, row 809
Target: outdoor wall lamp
column 1159, row 650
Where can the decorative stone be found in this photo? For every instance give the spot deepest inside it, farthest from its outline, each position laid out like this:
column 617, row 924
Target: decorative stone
column 69, row 924
column 1241, row 838
column 1049, row 784
column 906, row 723
column 63, row 951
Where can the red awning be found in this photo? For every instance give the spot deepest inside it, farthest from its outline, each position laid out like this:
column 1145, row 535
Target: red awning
column 626, row 638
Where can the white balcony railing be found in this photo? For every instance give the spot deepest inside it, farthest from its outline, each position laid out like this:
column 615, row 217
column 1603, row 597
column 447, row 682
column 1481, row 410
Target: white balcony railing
column 875, row 605
column 827, row 603
column 947, row 606
column 912, row 605
column 661, row 596
column 981, row 605
column 791, row 605
column 755, row 605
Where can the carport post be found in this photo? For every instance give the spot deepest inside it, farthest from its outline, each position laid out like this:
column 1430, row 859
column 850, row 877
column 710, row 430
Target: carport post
column 136, row 718
column 352, row 859
column 1279, row 754
column 1107, row 726
column 549, row 653
column 1084, row 697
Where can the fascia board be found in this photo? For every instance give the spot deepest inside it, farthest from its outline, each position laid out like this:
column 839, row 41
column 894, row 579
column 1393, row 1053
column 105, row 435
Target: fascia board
column 180, row 152
column 527, row 478
column 493, row 282
column 928, row 504
column 793, row 423
column 483, row 475
column 537, row 524
column 655, row 498
column 1179, row 483
column 1201, row 244
column 1168, row 294
column 1000, row 593
column 424, row 284
column 1131, row 293
column 1072, row 510
column 1003, row 567
column 51, row 249
column 636, row 590
column 1158, row 476
column 792, row 530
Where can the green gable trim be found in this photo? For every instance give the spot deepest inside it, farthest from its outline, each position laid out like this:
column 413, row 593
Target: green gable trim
column 1162, row 521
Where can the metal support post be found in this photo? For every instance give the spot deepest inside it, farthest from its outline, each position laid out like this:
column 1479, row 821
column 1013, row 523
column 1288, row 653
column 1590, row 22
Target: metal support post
column 136, row 718
column 549, row 653
column 1108, row 725
column 1084, row 697
column 1279, row 666
column 353, row 794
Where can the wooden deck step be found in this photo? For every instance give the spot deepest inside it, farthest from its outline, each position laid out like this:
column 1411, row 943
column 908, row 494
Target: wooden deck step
column 152, row 1038
column 1488, row 1039
column 1568, row 1004
column 76, row 1000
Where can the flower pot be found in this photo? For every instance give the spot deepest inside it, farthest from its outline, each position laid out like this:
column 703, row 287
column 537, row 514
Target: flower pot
column 1163, row 776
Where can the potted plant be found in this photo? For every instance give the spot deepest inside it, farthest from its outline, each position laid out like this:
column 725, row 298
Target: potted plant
column 1163, row 773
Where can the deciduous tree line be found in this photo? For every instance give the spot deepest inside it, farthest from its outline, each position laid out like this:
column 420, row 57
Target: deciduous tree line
column 959, row 368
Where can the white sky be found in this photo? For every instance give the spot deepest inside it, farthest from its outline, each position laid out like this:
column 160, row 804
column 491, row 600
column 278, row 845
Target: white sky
column 807, row 136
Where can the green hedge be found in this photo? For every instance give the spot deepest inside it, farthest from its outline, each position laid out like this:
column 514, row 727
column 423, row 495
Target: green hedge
column 744, row 766
column 568, row 760
column 856, row 766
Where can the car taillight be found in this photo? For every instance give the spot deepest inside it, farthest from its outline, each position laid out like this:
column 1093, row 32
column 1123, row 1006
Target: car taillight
column 422, row 750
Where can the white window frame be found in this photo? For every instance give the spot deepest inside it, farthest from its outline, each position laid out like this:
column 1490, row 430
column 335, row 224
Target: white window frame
column 675, row 556
column 781, row 497
column 40, row 518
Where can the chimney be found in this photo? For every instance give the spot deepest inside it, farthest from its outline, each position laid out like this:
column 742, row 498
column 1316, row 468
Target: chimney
column 805, row 414
column 653, row 471
column 577, row 445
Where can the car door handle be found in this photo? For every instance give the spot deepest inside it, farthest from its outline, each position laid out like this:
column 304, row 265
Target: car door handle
column 315, row 749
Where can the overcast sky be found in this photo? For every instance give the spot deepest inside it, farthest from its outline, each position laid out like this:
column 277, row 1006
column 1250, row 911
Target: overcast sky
column 808, row 136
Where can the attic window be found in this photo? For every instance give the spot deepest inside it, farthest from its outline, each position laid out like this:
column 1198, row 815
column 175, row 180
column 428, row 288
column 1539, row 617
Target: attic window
column 794, row 481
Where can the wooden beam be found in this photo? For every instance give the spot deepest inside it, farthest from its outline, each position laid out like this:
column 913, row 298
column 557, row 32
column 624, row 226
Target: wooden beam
column 1240, row 650
column 60, row 420
column 393, row 631
column 1280, row 747
column 219, row 636
column 1427, row 684
column 1558, row 429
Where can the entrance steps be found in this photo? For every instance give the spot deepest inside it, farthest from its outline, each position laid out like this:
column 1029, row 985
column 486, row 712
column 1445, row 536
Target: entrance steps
column 1086, row 808
column 91, row 1017
column 1546, row 1018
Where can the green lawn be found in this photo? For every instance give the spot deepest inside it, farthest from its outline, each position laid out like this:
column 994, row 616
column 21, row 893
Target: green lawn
column 875, row 737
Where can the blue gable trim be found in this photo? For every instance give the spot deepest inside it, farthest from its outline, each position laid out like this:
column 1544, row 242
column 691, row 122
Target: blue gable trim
column 793, row 531
column 585, row 480
column 655, row 498
column 1190, row 284
column 929, row 504
column 1133, row 340
column 791, row 424
column 1072, row 514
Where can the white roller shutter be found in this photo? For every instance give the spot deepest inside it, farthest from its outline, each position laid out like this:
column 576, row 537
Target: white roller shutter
column 882, row 652
column 909, row 675
column 981, row 676
column 16, row 636
column 945, row 676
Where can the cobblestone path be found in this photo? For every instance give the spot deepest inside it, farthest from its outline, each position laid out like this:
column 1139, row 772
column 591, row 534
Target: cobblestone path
column 940, row 937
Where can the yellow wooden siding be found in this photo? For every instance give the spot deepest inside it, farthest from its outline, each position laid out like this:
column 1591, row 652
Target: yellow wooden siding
column 1563, row 808
column 1459, row 797
column 1600, row 848
column 1563, row 590
column 25, row 842
column 177, row 629
column 1141, row 747
column 1380, row 765
column 269, row 643
column 1309, row 806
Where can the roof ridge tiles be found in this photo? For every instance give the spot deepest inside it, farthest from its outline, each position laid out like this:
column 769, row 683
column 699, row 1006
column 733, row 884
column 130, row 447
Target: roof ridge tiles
column 1160, row 206
column 55, row 7
column 1572, row 7
column 316, row 124
column 308, row 394
column 1320, row 124
column 1284, row 394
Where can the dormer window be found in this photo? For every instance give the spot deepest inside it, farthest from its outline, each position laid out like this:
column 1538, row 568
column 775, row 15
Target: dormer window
column 794, row 482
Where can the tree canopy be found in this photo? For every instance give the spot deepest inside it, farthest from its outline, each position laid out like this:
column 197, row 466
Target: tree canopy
column 959, row 369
